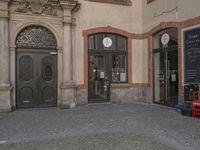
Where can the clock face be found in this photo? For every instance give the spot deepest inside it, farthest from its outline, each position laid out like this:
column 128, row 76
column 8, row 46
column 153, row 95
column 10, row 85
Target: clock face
column 165, row 39
column 107, row 42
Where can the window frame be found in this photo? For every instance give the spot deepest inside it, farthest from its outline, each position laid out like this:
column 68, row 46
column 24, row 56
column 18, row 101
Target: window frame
column 111, row 53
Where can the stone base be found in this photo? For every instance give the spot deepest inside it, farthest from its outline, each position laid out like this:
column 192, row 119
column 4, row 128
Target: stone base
column 82, row 96
column 126, row 95
column 68, row 99
column 5, row 98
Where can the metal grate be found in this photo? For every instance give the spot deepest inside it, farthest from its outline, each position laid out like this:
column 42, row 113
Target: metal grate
column 36, row 37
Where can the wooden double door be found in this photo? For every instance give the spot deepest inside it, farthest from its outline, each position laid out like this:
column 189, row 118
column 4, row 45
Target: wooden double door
column 36, row 74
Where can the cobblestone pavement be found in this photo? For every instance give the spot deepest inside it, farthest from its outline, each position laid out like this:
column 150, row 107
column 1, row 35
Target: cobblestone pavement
column 99, row 127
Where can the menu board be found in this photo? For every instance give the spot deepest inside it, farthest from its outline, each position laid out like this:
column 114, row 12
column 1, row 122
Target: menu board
column 192, row 55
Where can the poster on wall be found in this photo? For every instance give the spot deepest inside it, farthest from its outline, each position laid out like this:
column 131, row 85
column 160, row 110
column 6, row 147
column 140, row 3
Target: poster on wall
column 192, row 56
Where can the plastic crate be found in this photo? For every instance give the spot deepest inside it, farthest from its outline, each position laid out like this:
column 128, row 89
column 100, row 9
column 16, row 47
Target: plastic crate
column 186, row 112
column 187, row 108
column 196, row 109
column 187, row 105
column 191, row 92
column 179, row 107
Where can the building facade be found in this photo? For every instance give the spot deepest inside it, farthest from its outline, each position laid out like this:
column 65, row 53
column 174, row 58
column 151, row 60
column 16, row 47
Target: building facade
column 67, row 52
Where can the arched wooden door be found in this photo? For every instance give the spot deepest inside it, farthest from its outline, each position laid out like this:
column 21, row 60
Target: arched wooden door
column 36, row 68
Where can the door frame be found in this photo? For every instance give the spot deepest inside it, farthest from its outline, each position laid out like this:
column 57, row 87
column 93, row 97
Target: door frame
column 166, row 49
column 13, row 51
column 108, row 60
column 36, row 51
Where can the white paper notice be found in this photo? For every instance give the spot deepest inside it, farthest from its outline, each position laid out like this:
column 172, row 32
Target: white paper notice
column 173, row 77
column 102, row 75
column 122, row 76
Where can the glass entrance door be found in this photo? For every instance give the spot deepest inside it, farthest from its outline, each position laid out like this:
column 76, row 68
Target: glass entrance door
column 99, row 83
column 166, row 76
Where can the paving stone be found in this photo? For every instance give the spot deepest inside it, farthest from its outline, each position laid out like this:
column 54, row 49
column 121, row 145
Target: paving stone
column 99, row 127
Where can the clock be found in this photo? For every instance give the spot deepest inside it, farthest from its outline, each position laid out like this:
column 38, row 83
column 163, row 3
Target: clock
column 107, row 42
column 165, row 39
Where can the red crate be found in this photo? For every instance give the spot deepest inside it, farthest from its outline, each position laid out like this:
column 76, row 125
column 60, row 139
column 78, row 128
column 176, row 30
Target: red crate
column 196, row 109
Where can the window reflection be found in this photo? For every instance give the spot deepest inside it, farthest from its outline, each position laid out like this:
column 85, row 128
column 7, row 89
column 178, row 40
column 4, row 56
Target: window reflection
column 119, row 70
column 116, row 52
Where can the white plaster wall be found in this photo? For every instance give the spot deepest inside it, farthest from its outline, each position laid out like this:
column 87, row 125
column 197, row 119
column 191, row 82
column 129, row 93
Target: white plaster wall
column 140, row 61
column 94, row 14
column 186, row 9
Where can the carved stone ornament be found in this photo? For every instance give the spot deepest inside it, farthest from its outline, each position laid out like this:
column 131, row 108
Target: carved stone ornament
column 36, row 7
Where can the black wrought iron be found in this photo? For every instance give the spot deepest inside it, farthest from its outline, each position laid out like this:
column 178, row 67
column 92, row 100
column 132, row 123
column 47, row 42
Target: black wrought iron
column 36, row 37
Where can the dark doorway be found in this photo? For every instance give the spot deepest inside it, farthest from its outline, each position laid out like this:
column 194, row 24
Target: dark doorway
column 99, row 82
column 36, row 68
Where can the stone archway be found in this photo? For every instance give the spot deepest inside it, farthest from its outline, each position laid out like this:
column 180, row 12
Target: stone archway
column 36, row 68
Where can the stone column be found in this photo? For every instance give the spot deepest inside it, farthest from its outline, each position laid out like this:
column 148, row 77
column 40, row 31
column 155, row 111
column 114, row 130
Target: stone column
column 5, row 87
column 68, row 86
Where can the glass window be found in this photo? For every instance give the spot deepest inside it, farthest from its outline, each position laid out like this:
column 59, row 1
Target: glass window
column 173, row 38
column 115, row 47
column 91, row 43
column 119, row 68
column 121, row 43
column 114, row 42
column 98, row 41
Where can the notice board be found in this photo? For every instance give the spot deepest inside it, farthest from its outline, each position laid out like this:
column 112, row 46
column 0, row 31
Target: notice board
column 192, row 56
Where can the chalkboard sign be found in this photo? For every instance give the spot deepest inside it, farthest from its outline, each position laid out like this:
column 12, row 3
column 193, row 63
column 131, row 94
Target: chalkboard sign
column 192, row 55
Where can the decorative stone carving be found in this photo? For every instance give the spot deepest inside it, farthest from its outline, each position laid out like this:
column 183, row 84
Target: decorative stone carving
column 36, row 7
column 49, row 10
column 4, row 9
column 69, row 8
column 77, row 7
column 24, row 6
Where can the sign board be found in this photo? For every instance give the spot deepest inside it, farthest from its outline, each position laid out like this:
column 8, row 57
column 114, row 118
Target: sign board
column 102, row 75
column 107, row 42
column 192, row 56
column 123, row 77
column 165, row 39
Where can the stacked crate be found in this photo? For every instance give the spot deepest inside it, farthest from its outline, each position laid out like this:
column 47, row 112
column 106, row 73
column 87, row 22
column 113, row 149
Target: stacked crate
column 196, row 109
column 191, row 93
column 187, row 108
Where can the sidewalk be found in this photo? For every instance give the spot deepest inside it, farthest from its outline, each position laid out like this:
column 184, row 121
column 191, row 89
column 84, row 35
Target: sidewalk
column 99, row 127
